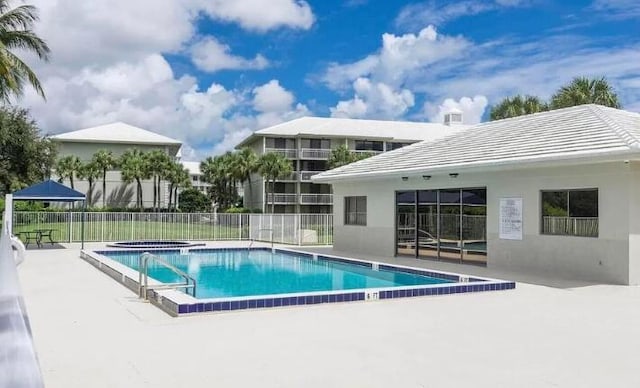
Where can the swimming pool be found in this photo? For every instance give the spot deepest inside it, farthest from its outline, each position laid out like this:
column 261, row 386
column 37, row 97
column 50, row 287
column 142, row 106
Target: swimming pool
column 243, row 272
column 241, row 278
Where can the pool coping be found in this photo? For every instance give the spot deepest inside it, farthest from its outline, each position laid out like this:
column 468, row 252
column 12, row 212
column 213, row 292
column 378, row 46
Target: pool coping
column 177, row 303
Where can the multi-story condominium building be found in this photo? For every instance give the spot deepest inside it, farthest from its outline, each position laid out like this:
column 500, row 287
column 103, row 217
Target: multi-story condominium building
column 117, row 138
column 195, row 175
column 308, row 141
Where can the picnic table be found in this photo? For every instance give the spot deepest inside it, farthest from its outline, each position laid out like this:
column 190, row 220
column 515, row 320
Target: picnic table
column 36, row 235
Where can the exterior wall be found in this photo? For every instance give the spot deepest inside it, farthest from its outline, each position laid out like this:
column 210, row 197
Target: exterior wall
column 613, row 257
column 119, row 194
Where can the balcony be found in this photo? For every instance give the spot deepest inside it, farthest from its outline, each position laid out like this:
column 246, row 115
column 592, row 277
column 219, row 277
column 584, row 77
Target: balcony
column 290, row 153
column 316, row 199
column 293, row 177
column 305, row 176
column 366, row 152
column 283, row 198
column 315, row 153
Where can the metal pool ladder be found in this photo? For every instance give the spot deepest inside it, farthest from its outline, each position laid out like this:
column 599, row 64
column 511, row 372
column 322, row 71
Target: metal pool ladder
column 259, row 234
column 143, row 276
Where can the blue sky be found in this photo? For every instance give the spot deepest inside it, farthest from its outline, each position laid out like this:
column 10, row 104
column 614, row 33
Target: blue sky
column 209, row 72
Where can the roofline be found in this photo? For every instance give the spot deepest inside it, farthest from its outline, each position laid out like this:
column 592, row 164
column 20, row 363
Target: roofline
column 576, row 158
column 61, row 139
column 44, row 198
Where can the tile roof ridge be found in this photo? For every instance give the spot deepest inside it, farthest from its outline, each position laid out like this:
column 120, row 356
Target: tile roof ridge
column 632, row 141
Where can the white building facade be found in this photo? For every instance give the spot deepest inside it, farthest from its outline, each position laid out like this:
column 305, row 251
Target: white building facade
column 117, row 138
column 555, row 193
column 308, row 141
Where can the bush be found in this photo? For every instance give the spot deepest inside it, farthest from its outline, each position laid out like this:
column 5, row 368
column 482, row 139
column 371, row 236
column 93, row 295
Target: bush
column 193, row 201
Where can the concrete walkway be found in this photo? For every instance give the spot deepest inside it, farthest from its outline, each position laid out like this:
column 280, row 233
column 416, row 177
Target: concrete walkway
column 92, row 332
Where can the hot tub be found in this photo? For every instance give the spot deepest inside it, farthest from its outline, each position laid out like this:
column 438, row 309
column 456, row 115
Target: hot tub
column 149, row 244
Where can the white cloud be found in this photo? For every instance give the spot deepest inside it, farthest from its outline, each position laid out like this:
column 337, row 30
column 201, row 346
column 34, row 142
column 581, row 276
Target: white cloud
column 374, row 100
column 275, row 104
column 108, row 65
column 271, row 97
column 210, row 55
column 398, row 58
column 472, row 109
column 417, row 15
column 617, row 9
column 260, row 15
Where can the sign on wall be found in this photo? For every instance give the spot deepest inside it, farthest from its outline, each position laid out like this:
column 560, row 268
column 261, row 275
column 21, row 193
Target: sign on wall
column 511, row 218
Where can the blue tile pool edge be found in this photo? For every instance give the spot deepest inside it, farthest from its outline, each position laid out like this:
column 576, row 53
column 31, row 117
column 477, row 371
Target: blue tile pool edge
column 176, row 303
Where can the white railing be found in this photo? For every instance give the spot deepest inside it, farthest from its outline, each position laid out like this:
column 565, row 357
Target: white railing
column 314, row 153
column 297, row 229
column 316, row 199
column 112, row 226
column 290, row 153
column 282, row 198
column 306, row 175
column 571, row 226
column 291, row 177
column 367, row 152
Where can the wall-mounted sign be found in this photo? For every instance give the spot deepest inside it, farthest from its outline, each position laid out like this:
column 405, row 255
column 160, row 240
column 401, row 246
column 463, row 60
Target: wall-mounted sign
column 511, row 218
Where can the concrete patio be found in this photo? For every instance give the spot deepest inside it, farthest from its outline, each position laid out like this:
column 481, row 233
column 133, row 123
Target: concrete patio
column 92, row 332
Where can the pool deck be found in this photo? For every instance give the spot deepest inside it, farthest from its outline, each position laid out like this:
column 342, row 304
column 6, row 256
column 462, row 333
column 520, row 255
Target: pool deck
column 92, row 332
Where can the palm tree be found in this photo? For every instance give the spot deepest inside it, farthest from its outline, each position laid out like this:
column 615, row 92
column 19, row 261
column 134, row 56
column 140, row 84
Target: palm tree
column 89, row 171
column 68, row 167
column 178, row 178
column 246, row 163
column 342, row 155
column 218, row 171
column 583, row 90
column 105, row 161
column 16, row 32
column 158, row 163
column 518, row 106
column 273, row 166
column 133, row 167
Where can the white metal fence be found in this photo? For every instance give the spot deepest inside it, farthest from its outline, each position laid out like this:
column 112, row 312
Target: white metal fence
column 572, row 226
column 298, row 229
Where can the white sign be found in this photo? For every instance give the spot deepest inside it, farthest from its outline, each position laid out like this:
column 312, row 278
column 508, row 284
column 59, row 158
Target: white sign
column 511, row 218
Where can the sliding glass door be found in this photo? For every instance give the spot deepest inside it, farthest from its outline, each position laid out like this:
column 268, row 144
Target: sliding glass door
column 406, row 222
column 447, row 224
column 428, row 223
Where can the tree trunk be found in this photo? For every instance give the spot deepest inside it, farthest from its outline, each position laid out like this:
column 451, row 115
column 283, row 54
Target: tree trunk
column 154, row 193
column 170, row 196
column 245, row 204
column 71, row 180
column 104, row 187
column 139, row 194
column 273, row 195
column 175, row 198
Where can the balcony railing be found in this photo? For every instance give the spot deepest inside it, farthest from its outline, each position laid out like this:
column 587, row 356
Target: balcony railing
column 367, row 152
column 291, row 177
column 286, row 152
column 314, row 153
column 283, row 198
column 305, row 176
column 316, row 199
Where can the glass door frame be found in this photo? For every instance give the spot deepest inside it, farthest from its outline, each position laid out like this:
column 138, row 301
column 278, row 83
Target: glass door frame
column 416, row 204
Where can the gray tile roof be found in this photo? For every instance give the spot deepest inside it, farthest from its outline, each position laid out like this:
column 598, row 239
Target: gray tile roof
column 577, row 133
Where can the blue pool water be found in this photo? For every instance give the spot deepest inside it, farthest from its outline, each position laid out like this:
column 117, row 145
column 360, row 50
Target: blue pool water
column 229, row 273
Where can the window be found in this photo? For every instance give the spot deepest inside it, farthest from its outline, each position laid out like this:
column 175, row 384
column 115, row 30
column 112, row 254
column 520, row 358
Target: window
column 570, row 212
column 364, row 145
column 395, row 146
column 355, row 211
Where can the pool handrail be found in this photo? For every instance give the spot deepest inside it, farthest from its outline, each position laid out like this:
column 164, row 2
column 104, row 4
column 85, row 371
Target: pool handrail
column 143, row 276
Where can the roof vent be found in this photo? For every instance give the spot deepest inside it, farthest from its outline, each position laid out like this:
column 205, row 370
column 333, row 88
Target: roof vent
column 453, row 117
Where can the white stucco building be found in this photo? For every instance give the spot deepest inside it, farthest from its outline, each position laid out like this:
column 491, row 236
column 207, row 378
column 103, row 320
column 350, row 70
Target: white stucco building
column 307, row 142
column 117, row 138
column 555, row 192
